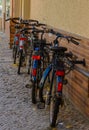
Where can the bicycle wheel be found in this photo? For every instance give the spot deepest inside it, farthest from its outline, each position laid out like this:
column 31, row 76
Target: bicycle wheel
column 54, row 106
column 34, row 93
column 30, row 63
column 20, row 61
column 44, row 91
column 36, row 84
column 14, row 54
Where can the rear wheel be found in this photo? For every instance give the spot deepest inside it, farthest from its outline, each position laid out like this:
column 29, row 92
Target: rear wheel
column 34, row 93
column 54, row 109
column 14, row 54
column 29, row 64
column 54, row 106
column 20, row 61
column 44, row 91
column 35, row 87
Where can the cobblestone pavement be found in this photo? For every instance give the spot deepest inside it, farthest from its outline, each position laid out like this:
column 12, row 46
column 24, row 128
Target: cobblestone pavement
column 16, row 110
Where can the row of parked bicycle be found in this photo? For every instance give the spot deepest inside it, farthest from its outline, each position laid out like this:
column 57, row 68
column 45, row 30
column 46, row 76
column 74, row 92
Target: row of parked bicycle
column 48, row 63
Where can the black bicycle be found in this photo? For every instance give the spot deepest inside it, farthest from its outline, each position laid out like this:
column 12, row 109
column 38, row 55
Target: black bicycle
column 62, row 63
column 40, row 60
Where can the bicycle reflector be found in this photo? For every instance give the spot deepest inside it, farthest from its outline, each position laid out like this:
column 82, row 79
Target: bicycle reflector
column 60, row 83
column 36, row 57
column 34, row 72
column 59, row 88
column 60, row 73
column 23, row 38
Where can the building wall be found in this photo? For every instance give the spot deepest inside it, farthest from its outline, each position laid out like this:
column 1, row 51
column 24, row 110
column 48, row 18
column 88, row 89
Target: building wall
column 69, row 15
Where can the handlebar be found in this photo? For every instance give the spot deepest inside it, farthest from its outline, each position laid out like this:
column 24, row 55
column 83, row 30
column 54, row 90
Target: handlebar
column 20, row 20
column 14, row 20
column 72, row 59
column 70, row 63
column 68, row 38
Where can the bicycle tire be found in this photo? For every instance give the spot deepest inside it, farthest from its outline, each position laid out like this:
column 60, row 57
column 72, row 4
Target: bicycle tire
column 20, row 61
column 30, row 63
column 54, row 106
column 41, row 90
column 35, row 85
column 34, row 93
column 54, row 110
column 14, row 54
column 44, row 92
column 40, row 69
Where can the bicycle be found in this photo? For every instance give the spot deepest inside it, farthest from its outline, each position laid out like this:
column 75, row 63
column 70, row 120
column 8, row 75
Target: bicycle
column 19, row 23
column 25, row 45
column 62, row 63
column 17, row 27
column 39, row 61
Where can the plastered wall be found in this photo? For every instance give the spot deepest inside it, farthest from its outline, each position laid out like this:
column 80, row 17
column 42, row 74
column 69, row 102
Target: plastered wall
column 68, row 15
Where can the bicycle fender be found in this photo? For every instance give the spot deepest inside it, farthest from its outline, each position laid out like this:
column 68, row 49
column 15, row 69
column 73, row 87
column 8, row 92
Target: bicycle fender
column 44, row 76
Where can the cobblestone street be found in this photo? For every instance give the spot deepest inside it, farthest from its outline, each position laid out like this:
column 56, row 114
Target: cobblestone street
column 16, row 110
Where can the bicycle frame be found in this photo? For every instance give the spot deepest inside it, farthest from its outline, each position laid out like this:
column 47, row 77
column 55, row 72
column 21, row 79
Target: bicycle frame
column 36, row 60
column 22, row 42
column 59, row 78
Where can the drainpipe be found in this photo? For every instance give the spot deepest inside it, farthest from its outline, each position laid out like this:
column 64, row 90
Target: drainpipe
column 3, row 14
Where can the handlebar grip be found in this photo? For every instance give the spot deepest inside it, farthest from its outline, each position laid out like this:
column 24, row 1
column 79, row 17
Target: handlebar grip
column 80, row 62
column 8, row 19
column 75, row 42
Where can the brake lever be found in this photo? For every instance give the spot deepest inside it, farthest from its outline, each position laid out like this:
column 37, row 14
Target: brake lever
column 75, row 42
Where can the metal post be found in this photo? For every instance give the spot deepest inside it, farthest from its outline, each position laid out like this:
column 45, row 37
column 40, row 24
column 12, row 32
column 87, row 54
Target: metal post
column 3, row 14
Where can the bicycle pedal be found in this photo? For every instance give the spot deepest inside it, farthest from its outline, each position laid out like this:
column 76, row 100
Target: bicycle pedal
column 28, row 86
column 62, row 103
column 65, row 81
